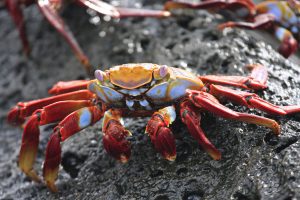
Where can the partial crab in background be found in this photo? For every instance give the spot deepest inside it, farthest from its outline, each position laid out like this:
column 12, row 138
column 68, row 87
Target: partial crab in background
column 137, row 90
column 280, row 18
column 50, row 9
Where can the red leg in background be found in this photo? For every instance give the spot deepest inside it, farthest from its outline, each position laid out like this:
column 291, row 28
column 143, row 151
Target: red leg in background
column 50, row 11
column 191, row 118
column 118, row 12
column 13, row 7
column 262, row 21
column 256, row 81
column 160, row 134
column 215, row 5
column 138, row 12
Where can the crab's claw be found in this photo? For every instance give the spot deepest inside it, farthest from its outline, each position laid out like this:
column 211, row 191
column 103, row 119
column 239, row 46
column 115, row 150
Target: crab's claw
column 164, row 142
column 114, row 139
column 115, row 142
column 160, row 134
column 244, row 8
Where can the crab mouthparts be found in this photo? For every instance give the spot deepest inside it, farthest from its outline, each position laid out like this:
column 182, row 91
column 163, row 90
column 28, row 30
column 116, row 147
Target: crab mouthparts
column 132, row 104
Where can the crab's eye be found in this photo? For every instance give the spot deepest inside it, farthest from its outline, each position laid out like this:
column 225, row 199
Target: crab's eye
column 161, row 72
column 99, row 75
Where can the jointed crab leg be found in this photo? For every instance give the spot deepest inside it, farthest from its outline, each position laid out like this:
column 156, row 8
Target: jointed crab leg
column 260, row 21
column 18, row 114
column 30, row 139
column 160, row 134
column 134, row 12
column 71, row 124
column 49, row 10
column 210, row 103
column 289, row 44
column 13, row 7
column 68, row 86
column 257, row 79
column 192, row 118
column 114, row 136
column 251, row 100
column 247, row 6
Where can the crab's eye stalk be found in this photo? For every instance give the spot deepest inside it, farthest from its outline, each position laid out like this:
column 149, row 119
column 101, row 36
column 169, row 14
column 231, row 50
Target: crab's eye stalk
column 100, row 75
column 295, row 6
column 161, row 72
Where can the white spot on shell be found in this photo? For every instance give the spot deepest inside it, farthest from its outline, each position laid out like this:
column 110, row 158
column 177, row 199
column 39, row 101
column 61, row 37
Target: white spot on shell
column 134, row 92
column 129, row 103
column 144, row 103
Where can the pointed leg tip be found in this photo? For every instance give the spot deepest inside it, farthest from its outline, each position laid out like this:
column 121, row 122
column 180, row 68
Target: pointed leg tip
column 33, row 175
column 123, row 158
column 171, row 158
column 277, row 129
column 52, row 187
column 50, row 176
column 13, row 116
column 216, row 155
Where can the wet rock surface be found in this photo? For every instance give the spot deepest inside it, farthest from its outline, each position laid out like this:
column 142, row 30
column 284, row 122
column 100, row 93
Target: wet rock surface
column 255, row 164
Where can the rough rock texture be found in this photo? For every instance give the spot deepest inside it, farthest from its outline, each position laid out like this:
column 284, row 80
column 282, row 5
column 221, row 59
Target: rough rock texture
column 255, row 164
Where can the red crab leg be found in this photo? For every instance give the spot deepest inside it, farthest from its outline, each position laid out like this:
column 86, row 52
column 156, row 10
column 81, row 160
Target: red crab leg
column 18, row 114
column 216, row 5
column 119, row 12
column 257, row 80
column 114, row 136
column 192, row 119
column 13, row 7
column 30, row 139
column 70, row 125
column 211, row 104
column 160, row 134
column 289, row 44
column 260, row 21
column 49, row 10
column 68, row 86
column 137, row 12
column 251, row 100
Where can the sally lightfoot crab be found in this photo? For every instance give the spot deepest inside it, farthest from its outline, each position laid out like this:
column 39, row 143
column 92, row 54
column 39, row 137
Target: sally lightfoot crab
column 135, row 90
column 280, row 18
column 50, row 10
